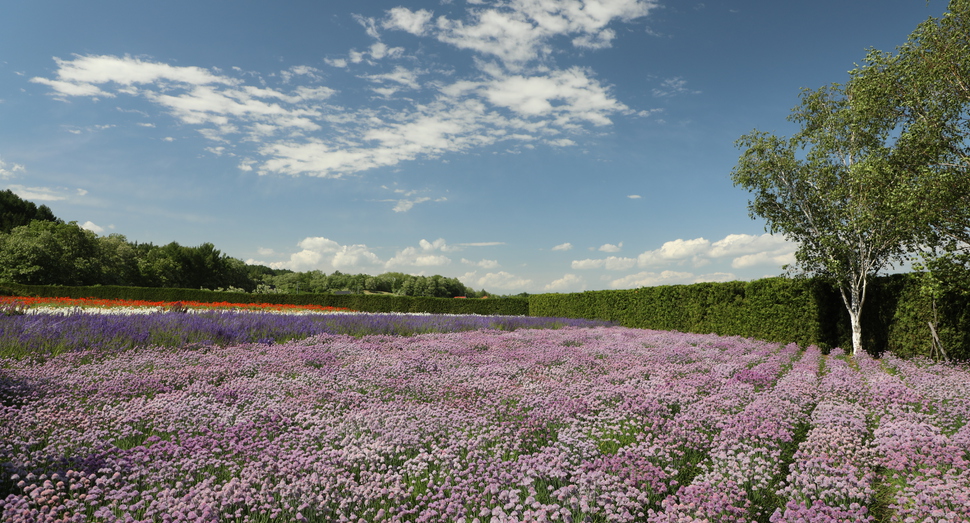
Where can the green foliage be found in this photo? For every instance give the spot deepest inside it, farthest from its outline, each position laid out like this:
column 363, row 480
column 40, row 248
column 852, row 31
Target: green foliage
column 801, row 310
column 845, row 188
column 775, row 309
column 15, row 212
column 436, row 286
column 46, row 252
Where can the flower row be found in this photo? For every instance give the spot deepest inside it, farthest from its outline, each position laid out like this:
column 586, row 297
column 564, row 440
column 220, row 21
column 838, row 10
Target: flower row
column 105, row 303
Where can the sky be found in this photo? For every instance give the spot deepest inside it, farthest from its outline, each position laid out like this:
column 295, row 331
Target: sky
column 517, row 145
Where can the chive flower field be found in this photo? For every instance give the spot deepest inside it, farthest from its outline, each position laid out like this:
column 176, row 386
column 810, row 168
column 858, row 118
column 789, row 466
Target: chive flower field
column 497, row 423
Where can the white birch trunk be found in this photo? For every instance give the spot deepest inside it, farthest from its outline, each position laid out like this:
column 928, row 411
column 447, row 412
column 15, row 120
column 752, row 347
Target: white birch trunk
column 853, row 303
column 855, row 320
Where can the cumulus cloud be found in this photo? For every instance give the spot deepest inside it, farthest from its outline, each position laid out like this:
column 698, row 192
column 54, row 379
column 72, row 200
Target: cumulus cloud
column 402, row 18
column 324, row 254
column 634, row 196
column 568, row 283
column 93, row 227
column 426, row 254
column 609, row 247
column 743, row 251
column 563, row 247
column 502, row 281
column 679, row 250
column 650, row 279
column 611, row 263
column 519, row 31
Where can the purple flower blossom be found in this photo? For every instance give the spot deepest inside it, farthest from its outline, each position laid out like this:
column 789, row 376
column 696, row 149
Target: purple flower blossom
column 573, row 424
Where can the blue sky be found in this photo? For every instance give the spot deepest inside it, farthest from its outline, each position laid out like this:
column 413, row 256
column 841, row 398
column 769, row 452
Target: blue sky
column 518, row 145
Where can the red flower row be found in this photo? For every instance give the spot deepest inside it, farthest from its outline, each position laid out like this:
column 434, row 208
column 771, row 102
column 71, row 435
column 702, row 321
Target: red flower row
column 108, row 303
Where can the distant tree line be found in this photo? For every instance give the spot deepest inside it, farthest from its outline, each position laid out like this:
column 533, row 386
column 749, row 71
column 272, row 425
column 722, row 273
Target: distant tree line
column 389, row 283
column 37, row 248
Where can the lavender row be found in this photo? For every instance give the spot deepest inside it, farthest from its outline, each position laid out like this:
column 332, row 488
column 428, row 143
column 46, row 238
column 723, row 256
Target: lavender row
column 44, row 335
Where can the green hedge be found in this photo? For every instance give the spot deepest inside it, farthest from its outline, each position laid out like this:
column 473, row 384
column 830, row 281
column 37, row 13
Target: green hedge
column 805, row 311
column 358, row 302
column 774, row 309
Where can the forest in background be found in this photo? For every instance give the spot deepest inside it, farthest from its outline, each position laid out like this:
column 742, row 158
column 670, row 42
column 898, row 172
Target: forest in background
column 37, row 248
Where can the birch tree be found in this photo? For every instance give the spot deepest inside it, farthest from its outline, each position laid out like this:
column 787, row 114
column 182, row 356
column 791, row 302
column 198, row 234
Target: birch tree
column 841, row 189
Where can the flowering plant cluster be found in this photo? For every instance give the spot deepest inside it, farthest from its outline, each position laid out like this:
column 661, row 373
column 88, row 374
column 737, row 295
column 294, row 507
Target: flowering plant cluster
column 105, row 303
column 40, row 336
column 574, row 424
column 12, row 308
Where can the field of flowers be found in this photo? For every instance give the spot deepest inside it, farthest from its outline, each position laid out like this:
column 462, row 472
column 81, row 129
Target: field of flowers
column 577, row 423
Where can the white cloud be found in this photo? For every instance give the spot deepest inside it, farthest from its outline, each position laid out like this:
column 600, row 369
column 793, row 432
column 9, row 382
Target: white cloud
column 519, row 31
column 425, row 255
column 743, row 251
column 609, row 247
column 563, row 247
column 93, row 227
column 568, row 283
column 746, row 251
column 650, row 279
column 502, row 281
column 736, row 244
column 675, row 251
column 311, row 129
column 634, row 196
column 319, row 253
column 610, row 263
column 570, row 94
column 672, row 87
column 8, row 171
column 45, row 194
column 763, row 258
column 484, row 264
column 402, row 18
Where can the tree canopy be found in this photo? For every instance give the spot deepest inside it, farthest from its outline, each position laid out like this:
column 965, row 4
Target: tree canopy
column 15, row 211
column 879, row 167
column 39, row 249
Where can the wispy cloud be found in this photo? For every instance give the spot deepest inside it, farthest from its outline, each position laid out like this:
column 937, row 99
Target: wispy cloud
column 11, row 170
column 672, row 87
column 513, row 92
column 44, row 194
